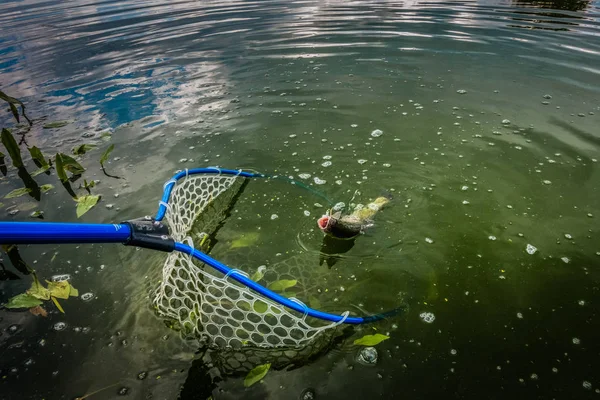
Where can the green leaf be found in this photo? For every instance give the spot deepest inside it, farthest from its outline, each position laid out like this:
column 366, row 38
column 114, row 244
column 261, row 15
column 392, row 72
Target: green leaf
column 40, row 171
column 282, row 284
column 256, row 374
column 38, row 291
column 12, row 147
column 371, row 340
column 60, row 169
column 60, row 289
column 66, row 163
column 14, row 111
column 23, row 300
column 74, row 292
column 2, row 163
column 71, row 165
column 56, row 124
column 104, row 156
column 17, row 193
column 258, row 275
column 45, row 188
column 37, row 155
column 248, row 239
column 85, row 203
column 82, row 149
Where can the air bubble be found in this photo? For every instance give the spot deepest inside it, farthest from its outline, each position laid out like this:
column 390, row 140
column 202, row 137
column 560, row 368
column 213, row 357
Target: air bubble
column 587, row 385
column 376, row 133
column 304, row 176
column 274, row 216
column 61, row 277
column 429, row 240
column 530, row 249
column 319, row 181
column 367, row 356
column 87, row 296
column 427, row 317
column 362, row 161
column 59, row 326
column 326, row 164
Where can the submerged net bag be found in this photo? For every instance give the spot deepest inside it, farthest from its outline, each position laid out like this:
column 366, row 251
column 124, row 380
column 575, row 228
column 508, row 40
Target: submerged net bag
column 204, row 303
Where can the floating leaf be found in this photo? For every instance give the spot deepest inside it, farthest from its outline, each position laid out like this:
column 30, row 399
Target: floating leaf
column 39, row 310
column 56, row 124
column 74, row 292
column 37, row 214
column 85, row 203
column 282, row 284
column 38, row 157
column 71, row 165
column 258, row 275
column 17, row 193
column 47, row 187
column 66, row 163
column 40, row 171
column 104, row 156
column 82, row 149
column 57, row 304
column 11, row 102
column 88, row 185
column 60, row 289
column 371, row 340
column 60, row 169
column 14, row 111
column 38, row 291
column 246, row 240
column 12, row 147
column 256, row 374
column 23, row 300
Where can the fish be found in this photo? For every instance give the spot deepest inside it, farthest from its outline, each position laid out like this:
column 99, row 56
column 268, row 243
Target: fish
column 351, row 225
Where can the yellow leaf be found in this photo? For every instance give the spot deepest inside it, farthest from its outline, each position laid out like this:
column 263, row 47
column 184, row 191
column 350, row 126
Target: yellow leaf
column 248, row 239
column 59, row 289
column 282, row 284
column 57, row 304
column 256, row 374
column 371, row 340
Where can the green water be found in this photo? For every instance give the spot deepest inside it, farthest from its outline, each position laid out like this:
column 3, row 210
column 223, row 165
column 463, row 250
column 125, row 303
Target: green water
column 489, row 113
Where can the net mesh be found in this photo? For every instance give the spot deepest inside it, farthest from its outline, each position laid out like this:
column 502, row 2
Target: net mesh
column 204, row 303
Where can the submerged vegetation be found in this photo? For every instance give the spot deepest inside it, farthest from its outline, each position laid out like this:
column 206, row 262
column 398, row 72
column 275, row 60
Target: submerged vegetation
column 68, row 170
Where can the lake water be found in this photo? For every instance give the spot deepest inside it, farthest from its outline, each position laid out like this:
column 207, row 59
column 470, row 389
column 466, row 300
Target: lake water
column 489, row 112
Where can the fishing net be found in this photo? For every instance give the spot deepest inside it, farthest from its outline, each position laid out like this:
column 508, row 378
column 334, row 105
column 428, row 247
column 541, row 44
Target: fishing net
column 202, row 302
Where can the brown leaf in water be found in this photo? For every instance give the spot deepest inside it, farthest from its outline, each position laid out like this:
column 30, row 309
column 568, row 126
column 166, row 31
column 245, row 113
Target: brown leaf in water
column 38, row 310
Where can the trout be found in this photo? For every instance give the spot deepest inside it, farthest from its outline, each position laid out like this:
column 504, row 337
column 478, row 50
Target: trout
column 352, row 225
